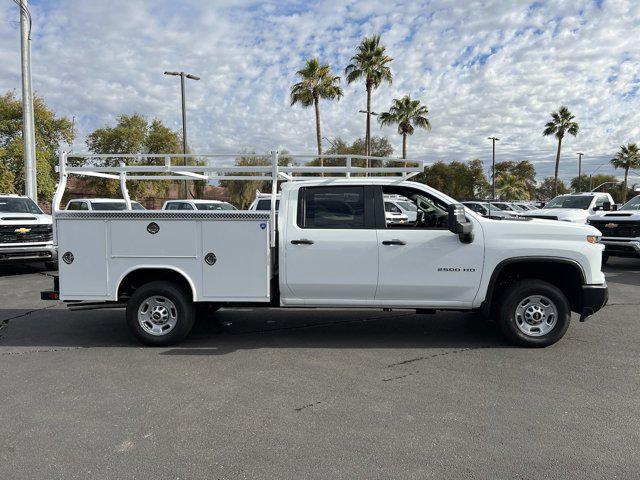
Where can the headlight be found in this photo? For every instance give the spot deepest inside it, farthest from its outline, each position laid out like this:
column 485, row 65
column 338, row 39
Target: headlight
column 593, row 239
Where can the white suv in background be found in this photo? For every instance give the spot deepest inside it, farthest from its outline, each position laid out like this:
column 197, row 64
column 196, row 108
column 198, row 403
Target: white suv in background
column 401, row 206
column 25, row 233
column 102, row 204
column 197, row 205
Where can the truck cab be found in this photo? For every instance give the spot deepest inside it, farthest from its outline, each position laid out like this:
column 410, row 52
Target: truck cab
column 574, row 207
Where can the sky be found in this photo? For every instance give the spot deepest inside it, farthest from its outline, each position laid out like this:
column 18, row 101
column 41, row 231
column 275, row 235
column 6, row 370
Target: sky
column 483, row 68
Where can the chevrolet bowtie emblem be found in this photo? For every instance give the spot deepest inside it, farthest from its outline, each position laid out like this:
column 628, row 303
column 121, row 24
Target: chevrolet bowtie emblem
column 611, row 225
column 22, row 230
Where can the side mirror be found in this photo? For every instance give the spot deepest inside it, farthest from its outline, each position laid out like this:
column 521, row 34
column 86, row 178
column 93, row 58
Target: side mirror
column 458, row 223
column 614, row 207
column 606, row 206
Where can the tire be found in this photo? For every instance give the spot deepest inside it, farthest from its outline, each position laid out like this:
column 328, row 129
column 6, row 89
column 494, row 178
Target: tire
column 605, row 259
column 51, row 266
column 534, row 313
column 160, row 314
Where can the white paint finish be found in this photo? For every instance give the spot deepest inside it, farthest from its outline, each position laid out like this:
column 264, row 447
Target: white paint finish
column 176, row 238
column 409, row 273
column 242, row 268
column 87, row 275
column 340, row 265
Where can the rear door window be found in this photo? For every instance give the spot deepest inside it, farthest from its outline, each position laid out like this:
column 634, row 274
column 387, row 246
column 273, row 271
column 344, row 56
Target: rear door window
column 333, row 207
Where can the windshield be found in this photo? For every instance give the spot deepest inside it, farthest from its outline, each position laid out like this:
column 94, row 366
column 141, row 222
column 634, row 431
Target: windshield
column 517, row 207
column 408, row 206
column 215, row 206
column 633, row 204
column 499, row 206
column 265, row 204
column 570, row 201
column 18, row 205
column 108, row 206
column 137, row 206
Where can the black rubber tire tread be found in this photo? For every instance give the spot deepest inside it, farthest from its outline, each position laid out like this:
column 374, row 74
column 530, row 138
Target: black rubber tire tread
column 184, row 306
column 514, row 295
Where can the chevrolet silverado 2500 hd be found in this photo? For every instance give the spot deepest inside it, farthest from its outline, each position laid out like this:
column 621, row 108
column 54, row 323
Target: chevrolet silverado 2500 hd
column 330, row 245
column 620, row 230
column 25, row 233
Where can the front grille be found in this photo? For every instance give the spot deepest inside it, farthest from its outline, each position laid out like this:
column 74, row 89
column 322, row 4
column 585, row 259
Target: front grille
column 35, row 234
column 618, row 228
column 543, row 217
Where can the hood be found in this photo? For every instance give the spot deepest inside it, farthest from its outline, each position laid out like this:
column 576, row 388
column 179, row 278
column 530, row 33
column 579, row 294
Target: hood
column 569, row 214
column 22, row 218
column 619, row 215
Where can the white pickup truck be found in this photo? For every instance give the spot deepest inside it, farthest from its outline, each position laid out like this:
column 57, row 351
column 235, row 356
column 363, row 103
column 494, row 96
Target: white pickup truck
column 573, row 207
column 620, row 230
column 25, row 232
column 329, row 246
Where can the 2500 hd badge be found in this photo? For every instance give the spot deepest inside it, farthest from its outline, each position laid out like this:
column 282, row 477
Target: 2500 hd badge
column 456, row 269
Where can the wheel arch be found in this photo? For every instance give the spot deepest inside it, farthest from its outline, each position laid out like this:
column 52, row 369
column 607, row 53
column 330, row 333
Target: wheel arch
column 564, row 273
column 141, row 274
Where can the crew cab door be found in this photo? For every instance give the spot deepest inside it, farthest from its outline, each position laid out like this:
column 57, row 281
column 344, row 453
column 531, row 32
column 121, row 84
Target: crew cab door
column 422, row 263
column 330, row 247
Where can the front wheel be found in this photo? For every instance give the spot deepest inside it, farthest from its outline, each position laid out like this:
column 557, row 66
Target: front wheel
column 160, row 314
column 534, row 313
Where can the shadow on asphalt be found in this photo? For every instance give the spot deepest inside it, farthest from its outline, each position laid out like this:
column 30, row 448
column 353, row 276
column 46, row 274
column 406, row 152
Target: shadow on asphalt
column 12, row 269
column 231, row 330
column 624, row 271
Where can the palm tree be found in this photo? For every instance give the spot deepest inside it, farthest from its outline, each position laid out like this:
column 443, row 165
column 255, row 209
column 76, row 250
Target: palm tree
column 562, row 122
column 316, row 82
column 406, row 113
column 511, row 187
column 628, row 157
column 369, row 63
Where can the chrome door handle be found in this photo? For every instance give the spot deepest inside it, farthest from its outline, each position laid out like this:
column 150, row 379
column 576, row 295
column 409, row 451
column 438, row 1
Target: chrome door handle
column 302, row 241
column 394, row 242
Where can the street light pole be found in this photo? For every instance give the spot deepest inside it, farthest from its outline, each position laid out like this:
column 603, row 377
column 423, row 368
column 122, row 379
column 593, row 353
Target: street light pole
column 580, row 154
column 28, row 126
column 182, row 76
column 493, row 167
column 367, row 137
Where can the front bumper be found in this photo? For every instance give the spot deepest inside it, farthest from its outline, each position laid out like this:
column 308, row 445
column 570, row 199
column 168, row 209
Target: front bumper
column 621, row 247
column 29, row 253
column 592, row 299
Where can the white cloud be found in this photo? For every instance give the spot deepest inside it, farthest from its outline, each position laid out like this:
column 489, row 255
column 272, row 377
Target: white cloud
column 483, row 68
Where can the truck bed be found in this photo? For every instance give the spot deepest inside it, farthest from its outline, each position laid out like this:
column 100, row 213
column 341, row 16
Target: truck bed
column 106, row 246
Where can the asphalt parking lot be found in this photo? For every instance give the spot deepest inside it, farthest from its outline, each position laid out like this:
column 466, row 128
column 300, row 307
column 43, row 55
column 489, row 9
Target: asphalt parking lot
column 322, row 394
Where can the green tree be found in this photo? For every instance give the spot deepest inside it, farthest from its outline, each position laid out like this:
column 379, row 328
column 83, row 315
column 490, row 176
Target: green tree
column 510, row 187
column 627, row 157
column 459, row 180
column 380, row 147
column 370, row 63
column 611, row 186
column 317, row 82
column 406, row 113
column 51, row 132
column 551, row 187
column 523, row 170
column 133, row 134
column 562, row 122
column 243, row 192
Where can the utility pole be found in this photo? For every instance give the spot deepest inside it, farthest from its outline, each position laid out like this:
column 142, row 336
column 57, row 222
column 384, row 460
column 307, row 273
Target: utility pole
column 182, row 76
column 367, row 138
column 493, row 168
column 28, row 126
column 580, row 154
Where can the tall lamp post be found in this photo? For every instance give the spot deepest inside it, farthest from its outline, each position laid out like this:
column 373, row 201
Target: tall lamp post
column 580, row 154
column 182, row 76
column 493, row 167
column 28, row 127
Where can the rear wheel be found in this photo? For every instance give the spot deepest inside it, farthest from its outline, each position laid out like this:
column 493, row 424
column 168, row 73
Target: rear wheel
column 160, row 314
column 534, row 313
